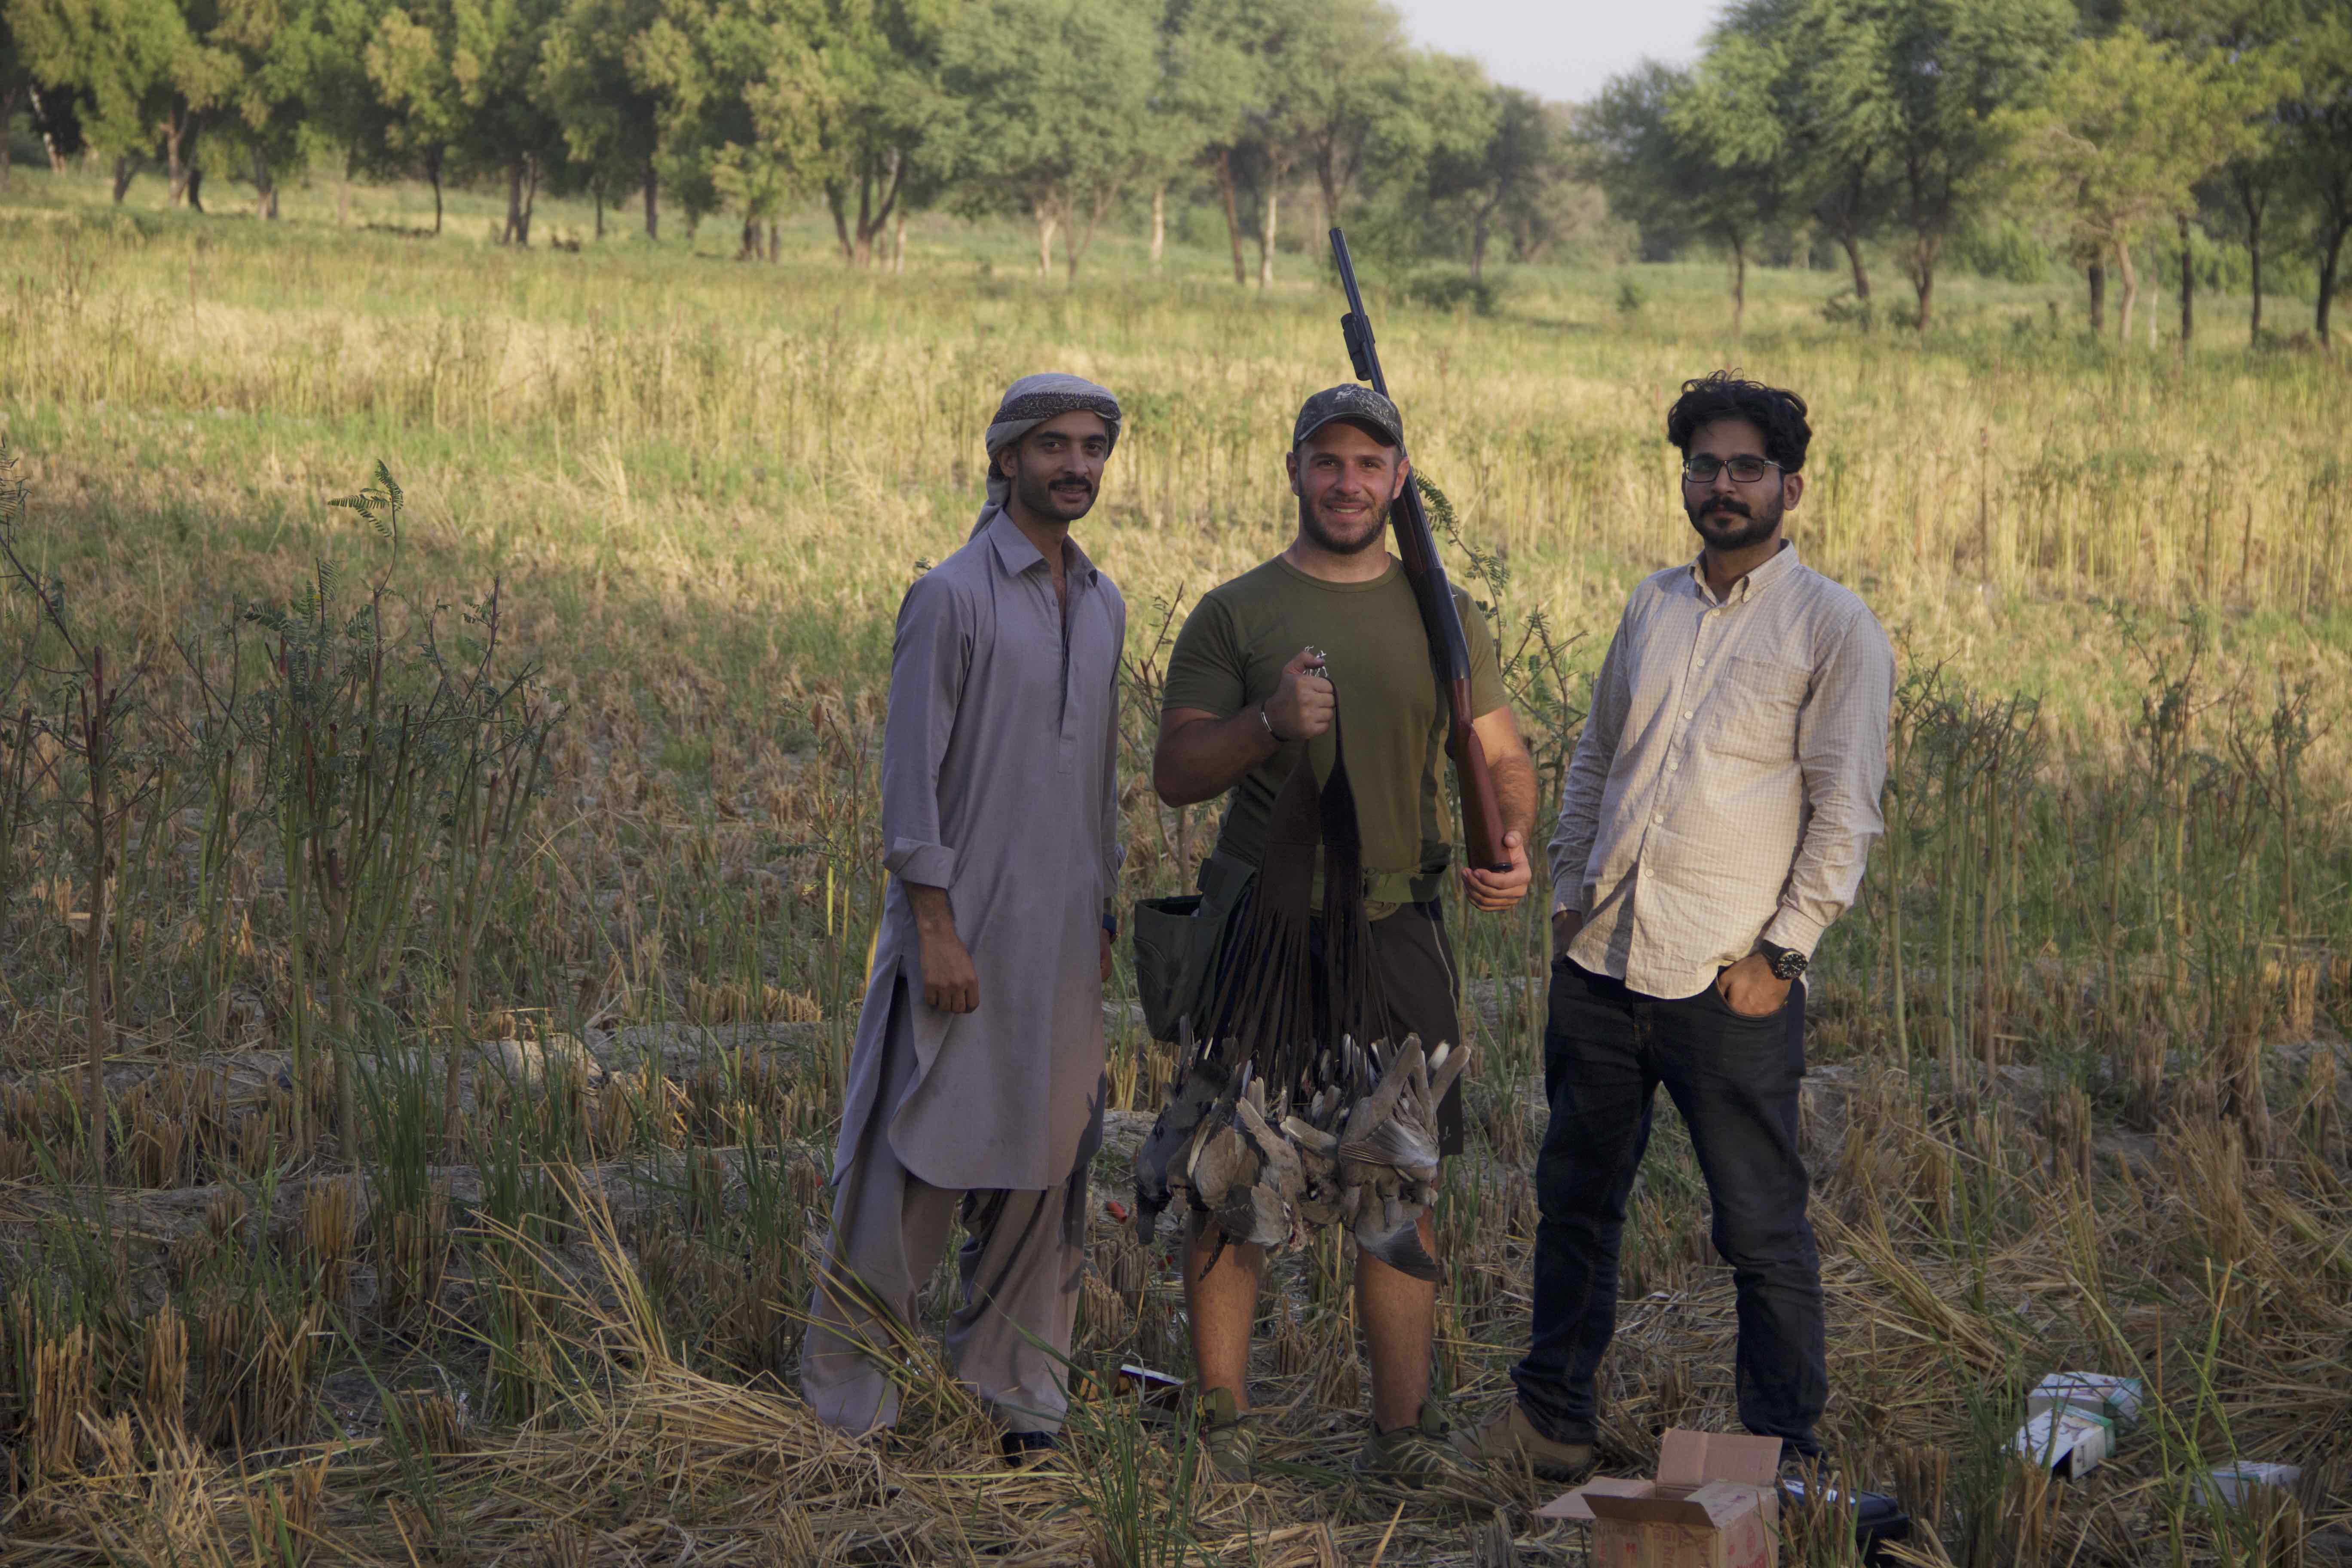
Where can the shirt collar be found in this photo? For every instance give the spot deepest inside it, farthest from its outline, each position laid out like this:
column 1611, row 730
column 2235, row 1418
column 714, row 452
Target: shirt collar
column 1783, row 563
column 1018, row 555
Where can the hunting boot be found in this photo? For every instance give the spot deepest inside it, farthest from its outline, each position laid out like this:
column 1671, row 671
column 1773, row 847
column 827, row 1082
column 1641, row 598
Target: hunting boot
column 1228, row 1436
column 1414, row 1456
column 1509, row 1439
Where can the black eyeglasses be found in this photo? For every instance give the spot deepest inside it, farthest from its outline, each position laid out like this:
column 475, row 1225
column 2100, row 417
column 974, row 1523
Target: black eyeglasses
column 1745, row 469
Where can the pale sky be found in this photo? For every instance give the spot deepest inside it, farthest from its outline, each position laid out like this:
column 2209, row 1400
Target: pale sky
column 1562, row 48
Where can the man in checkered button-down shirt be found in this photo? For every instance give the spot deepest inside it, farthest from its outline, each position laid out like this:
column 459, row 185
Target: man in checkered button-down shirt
column 1716, row 820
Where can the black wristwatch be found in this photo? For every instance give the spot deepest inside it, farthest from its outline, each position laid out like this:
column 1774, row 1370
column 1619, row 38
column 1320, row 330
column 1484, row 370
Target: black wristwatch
column 1787, row 963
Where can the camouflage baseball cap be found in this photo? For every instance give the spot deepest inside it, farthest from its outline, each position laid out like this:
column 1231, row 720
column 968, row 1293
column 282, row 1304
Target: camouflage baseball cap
column 1351, row 401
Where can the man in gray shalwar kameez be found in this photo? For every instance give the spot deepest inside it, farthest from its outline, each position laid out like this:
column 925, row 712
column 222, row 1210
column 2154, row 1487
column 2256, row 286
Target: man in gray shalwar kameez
column 976, row 1082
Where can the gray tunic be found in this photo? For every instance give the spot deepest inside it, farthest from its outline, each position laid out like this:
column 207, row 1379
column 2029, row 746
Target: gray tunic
column 998, row 784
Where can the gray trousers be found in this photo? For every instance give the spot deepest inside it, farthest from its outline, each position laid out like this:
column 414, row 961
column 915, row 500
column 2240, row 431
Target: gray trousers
column 1020, row 1265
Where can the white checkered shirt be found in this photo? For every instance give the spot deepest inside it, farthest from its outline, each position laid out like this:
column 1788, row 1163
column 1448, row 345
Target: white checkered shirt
column 1726, row 784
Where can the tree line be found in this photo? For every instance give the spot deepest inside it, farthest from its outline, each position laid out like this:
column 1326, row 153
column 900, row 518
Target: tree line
column 1052, row 111
column 2105, row 126
column 1887, row 126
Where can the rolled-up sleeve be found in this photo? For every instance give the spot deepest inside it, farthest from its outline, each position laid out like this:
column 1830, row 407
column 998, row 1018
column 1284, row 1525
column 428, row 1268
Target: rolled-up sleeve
column 1588, row 778
column 930, row 658
column 1841, row 749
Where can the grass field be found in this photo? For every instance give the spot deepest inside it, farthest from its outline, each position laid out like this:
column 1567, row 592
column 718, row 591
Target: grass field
column 460, row 1142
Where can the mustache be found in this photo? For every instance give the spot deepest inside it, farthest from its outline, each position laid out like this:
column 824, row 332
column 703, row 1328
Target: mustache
column 1726, row 504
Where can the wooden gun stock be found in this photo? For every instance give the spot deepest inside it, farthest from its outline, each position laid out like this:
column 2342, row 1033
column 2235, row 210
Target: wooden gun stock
column 1482, row 814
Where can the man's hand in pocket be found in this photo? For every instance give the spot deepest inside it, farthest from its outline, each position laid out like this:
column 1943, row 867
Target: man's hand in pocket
column 1750, row 989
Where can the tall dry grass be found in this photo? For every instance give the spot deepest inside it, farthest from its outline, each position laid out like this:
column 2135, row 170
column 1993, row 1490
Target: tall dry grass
column 457, row 1200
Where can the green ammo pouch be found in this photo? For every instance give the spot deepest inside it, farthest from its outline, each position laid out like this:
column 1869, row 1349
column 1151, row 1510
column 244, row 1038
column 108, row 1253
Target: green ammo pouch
column 1163, row 941
column 1177, row 943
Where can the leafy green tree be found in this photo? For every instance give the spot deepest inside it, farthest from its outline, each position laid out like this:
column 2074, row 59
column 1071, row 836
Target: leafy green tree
column 418, row 78
column 142, row 70
column 1054, row 97
column 1697, row 155
column 1927, row 80
column 1521, row 152
column 15, row 85
column 876, row 110
column 611, row 117
column 1353, row 83
column 2318, row 140
column 458, row 78
column 1838, row 122
column 2125, row 129
column 1216, row 76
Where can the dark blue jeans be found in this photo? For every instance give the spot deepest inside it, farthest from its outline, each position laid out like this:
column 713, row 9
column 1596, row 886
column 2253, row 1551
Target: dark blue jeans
column 1606, row 1050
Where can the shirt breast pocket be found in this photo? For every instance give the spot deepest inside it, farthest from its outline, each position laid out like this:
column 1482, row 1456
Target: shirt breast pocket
column 1760, row 702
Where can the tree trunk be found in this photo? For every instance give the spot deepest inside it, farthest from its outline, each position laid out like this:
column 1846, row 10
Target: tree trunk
column 49, row 140
column 1853, row 244
column 124, row 168
column 1233, row 213
column 432, row 172
column 2254, row 260
column 522, row 195
column 899, row 243
column 1738, row 285
column 265, row 188
column 1159, row 223
column 775, row 242
column 1478, row 224
column 874, row 217
column 2328, row 257
column 2131, row 290
column 195, row 186
column 837, row 202
column 596, row 194
column 1266, row 231
column 652, row 202
column 7, row 118
column 1923, row 283
column 2188, row 289
column 2097, row 274
column 750, row 248
column 1046, row 222
column 179, row 152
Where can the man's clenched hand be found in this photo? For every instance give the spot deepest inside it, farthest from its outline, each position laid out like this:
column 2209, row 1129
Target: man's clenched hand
column 1303, row 704
column 1500, row 889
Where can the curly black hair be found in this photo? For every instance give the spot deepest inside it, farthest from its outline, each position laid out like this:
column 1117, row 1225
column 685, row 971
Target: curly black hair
column 1776, row 411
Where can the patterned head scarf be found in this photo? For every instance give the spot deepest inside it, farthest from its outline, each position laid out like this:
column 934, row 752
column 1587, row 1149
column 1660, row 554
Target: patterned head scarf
column 1029, row 403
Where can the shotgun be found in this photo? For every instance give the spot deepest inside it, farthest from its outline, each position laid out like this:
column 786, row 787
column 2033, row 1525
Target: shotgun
column 1449, row 653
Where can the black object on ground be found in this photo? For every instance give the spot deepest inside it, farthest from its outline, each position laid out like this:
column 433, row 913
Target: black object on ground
column 1878, row 1519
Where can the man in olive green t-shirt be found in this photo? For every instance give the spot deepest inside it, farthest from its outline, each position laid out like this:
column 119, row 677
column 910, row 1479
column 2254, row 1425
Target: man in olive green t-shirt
column 1265, row 667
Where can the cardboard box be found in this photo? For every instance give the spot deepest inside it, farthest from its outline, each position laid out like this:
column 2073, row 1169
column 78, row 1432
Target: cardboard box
column 2230, row 1485
column 2066, row 1441
column 2116, row 1400
column 1714, row 1504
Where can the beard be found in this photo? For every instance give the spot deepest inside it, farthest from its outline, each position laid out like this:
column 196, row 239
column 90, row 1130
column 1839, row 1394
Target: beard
column 1727, row 523
column 1038, row 498
column 1337, row 539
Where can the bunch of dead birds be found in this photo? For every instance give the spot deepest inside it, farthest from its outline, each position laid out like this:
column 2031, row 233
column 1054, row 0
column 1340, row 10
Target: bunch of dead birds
column 1362, row 1152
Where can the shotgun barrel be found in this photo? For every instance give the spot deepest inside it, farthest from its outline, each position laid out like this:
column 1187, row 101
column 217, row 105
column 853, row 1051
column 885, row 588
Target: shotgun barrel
column 1449, row 651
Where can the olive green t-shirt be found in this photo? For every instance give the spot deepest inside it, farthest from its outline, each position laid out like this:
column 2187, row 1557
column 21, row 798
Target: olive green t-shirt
column 1231, row 653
